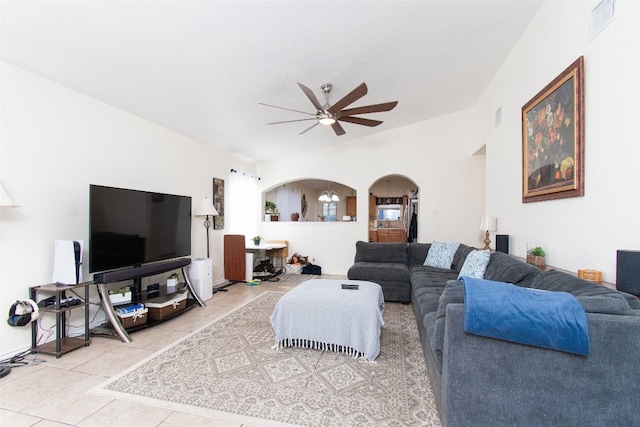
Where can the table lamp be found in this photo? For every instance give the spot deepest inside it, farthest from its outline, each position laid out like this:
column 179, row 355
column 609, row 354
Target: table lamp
column 488, row 223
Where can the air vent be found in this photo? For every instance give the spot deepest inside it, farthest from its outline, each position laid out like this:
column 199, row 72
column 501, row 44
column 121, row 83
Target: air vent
column 601, row 16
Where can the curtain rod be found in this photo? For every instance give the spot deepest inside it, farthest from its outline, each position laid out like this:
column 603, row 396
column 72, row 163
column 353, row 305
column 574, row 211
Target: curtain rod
column 244, row 173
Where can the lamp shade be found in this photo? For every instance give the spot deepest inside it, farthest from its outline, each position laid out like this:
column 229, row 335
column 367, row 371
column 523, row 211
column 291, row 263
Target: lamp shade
column 488, row 223
column 206, row 208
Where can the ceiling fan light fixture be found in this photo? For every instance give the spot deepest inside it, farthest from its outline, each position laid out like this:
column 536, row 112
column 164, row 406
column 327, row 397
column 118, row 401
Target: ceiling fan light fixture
column 331, row 115
column 327, row 121
column 325, row 118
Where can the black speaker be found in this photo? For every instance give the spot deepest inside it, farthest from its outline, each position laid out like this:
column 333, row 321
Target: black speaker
column 143, row 270
column 502, row 243
column 628, row 272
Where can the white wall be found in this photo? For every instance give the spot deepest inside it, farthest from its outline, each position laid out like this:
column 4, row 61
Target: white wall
column 55, row 142
column 582, row 232
column 435, row 154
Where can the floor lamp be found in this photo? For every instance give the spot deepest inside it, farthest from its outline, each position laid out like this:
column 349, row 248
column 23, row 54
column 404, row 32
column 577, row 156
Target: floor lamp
column 206, row 210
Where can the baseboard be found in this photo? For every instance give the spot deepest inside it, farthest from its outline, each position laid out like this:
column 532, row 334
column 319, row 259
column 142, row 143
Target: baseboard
column 14, row 352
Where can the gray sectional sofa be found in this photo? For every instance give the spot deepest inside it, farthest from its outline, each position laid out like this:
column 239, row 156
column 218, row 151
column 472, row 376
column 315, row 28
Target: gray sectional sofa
column 480, row 381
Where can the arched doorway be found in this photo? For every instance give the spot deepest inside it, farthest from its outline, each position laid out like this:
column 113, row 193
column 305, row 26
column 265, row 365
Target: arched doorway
column 393, row 210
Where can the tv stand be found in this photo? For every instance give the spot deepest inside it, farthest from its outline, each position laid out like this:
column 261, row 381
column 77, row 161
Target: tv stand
column 102, row 280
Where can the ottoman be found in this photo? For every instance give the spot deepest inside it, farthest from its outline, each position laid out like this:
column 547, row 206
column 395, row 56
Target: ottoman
column 320, row 314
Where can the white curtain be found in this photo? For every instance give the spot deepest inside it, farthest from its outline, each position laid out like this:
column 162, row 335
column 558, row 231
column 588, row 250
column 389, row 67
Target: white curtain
column 242, row 212
column 288, row 201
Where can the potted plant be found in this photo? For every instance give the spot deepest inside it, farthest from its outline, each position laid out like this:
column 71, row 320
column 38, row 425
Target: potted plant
column 256, row 240
column 535, row 256
column 295, row 216
column 271, row 211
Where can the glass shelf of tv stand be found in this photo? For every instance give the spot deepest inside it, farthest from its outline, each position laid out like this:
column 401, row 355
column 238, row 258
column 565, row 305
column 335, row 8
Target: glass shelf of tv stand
column 144, row 297
column 109, row 280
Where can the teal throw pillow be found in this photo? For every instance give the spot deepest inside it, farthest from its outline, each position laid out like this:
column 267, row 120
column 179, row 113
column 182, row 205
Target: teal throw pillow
column 440, row 255
column 475, row 264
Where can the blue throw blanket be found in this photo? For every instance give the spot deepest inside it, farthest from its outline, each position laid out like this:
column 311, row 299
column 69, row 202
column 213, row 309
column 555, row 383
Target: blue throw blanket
column 554, row 320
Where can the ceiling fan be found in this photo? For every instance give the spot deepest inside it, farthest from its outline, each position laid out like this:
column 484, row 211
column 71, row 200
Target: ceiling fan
column 330, row 115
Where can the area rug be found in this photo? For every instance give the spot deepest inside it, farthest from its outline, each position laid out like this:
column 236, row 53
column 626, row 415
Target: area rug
column 229, row 370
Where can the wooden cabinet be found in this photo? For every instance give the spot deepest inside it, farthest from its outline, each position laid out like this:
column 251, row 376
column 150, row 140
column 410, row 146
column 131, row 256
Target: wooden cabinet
column 351, row 206
column 373, row 207
column 234, row 257
column 373, row 236
column 391, row 235
column 383, row 235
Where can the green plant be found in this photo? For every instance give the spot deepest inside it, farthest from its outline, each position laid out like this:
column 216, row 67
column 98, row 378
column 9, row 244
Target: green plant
column 538, row 251
column 173, row 276
column 270, row 207
column 256, row 239
column 120, row 291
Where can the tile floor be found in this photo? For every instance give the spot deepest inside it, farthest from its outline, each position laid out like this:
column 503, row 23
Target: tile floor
column 54, row 393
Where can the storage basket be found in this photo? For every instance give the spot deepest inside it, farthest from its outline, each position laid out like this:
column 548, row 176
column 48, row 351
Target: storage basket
column 133, row 318
column 165, row 306
column 293, row 269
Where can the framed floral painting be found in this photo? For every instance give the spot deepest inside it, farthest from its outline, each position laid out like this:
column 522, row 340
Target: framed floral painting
column 553, row 138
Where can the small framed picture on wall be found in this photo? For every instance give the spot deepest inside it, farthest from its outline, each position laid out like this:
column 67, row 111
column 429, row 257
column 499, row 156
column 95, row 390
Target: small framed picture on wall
column 218, row 203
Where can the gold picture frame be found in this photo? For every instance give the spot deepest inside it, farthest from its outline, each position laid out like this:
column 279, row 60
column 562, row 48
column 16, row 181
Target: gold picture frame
column 553, row 138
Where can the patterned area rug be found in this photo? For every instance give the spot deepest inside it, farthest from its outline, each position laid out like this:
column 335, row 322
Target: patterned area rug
column 228, row 370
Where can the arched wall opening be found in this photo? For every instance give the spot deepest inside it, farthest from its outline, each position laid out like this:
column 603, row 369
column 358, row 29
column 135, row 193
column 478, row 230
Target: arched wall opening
column 298, row 200
column 393, row 209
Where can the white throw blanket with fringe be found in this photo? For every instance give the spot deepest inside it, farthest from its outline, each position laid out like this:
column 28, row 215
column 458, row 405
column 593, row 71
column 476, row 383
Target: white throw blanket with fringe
column 320, row 314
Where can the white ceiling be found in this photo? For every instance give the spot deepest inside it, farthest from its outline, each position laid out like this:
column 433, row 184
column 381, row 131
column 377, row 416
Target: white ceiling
column 200, row 68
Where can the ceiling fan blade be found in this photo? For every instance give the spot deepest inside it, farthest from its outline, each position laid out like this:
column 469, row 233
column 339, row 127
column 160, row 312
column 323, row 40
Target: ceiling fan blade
column 288, row 109
column 360, row 121
column 312, row 126
column 350, row 98
column 311, row 96
column 291, row 121
column 338, row 129
column 376, row 108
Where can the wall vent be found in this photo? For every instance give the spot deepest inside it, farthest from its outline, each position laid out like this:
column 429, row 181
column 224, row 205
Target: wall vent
column 498, row 118
column 601, row 16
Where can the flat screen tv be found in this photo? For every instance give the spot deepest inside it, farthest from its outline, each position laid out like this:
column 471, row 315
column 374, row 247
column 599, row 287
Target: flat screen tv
column 128, row 228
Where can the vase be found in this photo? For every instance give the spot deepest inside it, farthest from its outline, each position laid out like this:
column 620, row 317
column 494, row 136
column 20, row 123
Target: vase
column 295, row 216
